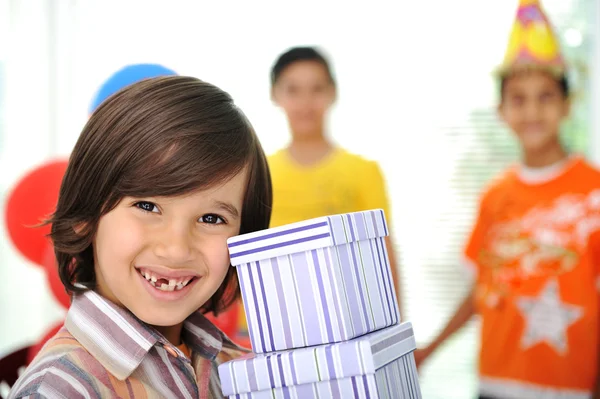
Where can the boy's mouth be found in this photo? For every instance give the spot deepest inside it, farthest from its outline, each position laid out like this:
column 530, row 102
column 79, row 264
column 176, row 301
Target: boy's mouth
column 162, row 283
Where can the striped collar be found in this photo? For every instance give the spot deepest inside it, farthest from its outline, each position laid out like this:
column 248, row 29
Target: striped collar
column 120, row 341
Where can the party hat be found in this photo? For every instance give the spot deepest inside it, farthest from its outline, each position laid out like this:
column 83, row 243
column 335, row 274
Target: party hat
column 532, row 43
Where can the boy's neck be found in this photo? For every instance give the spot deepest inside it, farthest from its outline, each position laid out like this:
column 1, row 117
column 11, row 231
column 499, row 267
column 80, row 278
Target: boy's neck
column 545, row 158
column 309, row 150
column 171, row 333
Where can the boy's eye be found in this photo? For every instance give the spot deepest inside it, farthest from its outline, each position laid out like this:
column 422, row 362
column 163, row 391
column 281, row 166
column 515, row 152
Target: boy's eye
column 547, row 96
column 211, row 218
column 319, row 89
column 146, row 206
column 517, row 99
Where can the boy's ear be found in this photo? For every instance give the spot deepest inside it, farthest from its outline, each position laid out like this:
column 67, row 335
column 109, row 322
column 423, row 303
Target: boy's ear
column 273, row 99
column 333, row 95
column 500, row 110
column 567, row 107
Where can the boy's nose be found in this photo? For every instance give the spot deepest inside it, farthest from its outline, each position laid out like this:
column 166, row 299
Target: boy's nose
column 175, row 245
column 532, row 111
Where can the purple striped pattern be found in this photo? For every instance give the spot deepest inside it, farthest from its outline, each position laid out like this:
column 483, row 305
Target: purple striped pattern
column 374, row 372
column 278, row 234
column 397, row 380
column 284, row 244
column 302, row 236
column 315, row 296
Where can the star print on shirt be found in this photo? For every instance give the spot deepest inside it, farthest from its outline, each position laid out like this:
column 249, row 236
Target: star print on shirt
column 547, row 318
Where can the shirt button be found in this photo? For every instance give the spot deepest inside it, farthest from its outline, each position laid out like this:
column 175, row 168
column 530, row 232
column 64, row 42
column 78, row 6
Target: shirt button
column 171, row 351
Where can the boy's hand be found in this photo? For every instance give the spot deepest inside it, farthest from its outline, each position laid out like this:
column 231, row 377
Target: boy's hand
column 596, row 394
column 421, row 355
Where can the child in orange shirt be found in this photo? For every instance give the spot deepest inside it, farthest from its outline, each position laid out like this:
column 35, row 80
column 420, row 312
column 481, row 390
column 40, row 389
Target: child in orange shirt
column 535, row 244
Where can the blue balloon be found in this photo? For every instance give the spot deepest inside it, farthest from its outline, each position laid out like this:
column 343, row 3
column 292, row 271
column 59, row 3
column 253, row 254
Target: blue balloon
column 127, row 76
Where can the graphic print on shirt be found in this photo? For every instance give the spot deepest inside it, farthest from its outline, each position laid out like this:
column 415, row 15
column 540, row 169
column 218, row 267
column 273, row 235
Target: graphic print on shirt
column 545, row 242
column 547, row 318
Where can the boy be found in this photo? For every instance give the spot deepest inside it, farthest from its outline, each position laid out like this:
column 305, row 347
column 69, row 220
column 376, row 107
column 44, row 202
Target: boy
column 535, row 244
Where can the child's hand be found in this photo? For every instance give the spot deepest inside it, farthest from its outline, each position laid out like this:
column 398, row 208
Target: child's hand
column 421, row 355
column 596, row 392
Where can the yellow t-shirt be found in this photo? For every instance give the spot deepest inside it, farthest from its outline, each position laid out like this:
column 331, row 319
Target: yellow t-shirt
column 342, row 182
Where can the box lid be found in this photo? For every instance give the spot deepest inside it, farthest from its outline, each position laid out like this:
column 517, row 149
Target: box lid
column 307, row 235
column 360, row 356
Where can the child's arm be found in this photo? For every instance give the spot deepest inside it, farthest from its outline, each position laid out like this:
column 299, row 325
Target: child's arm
column 395, row 270
column 467, row 308
column 463, row 314
column 597, row 389
column 594, row 243
column 373, row 195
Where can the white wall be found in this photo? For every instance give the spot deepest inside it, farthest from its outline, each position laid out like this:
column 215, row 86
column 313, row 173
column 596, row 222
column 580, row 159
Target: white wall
column 26, row 306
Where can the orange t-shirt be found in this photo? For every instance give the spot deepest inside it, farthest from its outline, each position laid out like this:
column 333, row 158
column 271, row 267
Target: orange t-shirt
column 535, row 247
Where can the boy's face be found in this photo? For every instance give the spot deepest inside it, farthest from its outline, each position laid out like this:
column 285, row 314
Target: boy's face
column 305, row 93
column 533, row 106
column 164, row 257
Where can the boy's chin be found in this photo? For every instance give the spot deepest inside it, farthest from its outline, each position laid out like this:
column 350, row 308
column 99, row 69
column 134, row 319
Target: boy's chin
column 162, row 318
column 537, row 145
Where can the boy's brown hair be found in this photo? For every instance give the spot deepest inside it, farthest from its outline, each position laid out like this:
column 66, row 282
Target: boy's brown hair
column 164, row 136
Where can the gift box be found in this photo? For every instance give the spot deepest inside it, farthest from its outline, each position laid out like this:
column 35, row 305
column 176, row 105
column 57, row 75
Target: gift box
column 376, row 365
column 315, row 282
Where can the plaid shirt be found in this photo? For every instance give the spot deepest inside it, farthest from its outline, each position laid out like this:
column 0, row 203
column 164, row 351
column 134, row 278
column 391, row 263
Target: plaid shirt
column 104, row 351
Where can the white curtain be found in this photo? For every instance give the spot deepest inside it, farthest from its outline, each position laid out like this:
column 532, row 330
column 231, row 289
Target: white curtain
column 26, row 134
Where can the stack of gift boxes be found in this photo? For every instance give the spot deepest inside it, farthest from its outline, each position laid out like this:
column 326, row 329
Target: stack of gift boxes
column 322, row 313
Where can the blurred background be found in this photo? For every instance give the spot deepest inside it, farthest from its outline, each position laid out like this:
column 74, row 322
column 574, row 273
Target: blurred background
column 415, row 94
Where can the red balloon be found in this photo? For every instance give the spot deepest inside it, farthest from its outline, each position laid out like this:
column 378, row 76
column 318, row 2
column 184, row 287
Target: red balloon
column 32, row 200
column 56, row 286
column 34, row 349
column 243, row 341
column 227, row 321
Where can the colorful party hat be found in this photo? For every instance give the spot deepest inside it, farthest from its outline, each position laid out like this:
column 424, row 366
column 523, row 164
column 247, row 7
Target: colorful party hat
column 532, row 43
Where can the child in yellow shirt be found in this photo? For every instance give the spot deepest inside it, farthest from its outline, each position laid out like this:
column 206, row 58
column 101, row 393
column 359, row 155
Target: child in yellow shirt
column 312, row 177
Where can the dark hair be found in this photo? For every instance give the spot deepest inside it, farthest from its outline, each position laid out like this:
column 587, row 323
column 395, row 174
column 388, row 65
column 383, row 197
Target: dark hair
column 299, row 54
column 562, row 81
column 163, row 136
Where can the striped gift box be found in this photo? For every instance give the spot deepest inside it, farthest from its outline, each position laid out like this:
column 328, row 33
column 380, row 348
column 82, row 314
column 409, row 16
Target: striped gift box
column 316, row 282
column 376, row 365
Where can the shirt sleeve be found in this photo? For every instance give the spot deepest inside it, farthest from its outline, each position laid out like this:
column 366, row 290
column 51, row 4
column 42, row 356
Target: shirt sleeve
column 373, row 190
column 475, row 243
